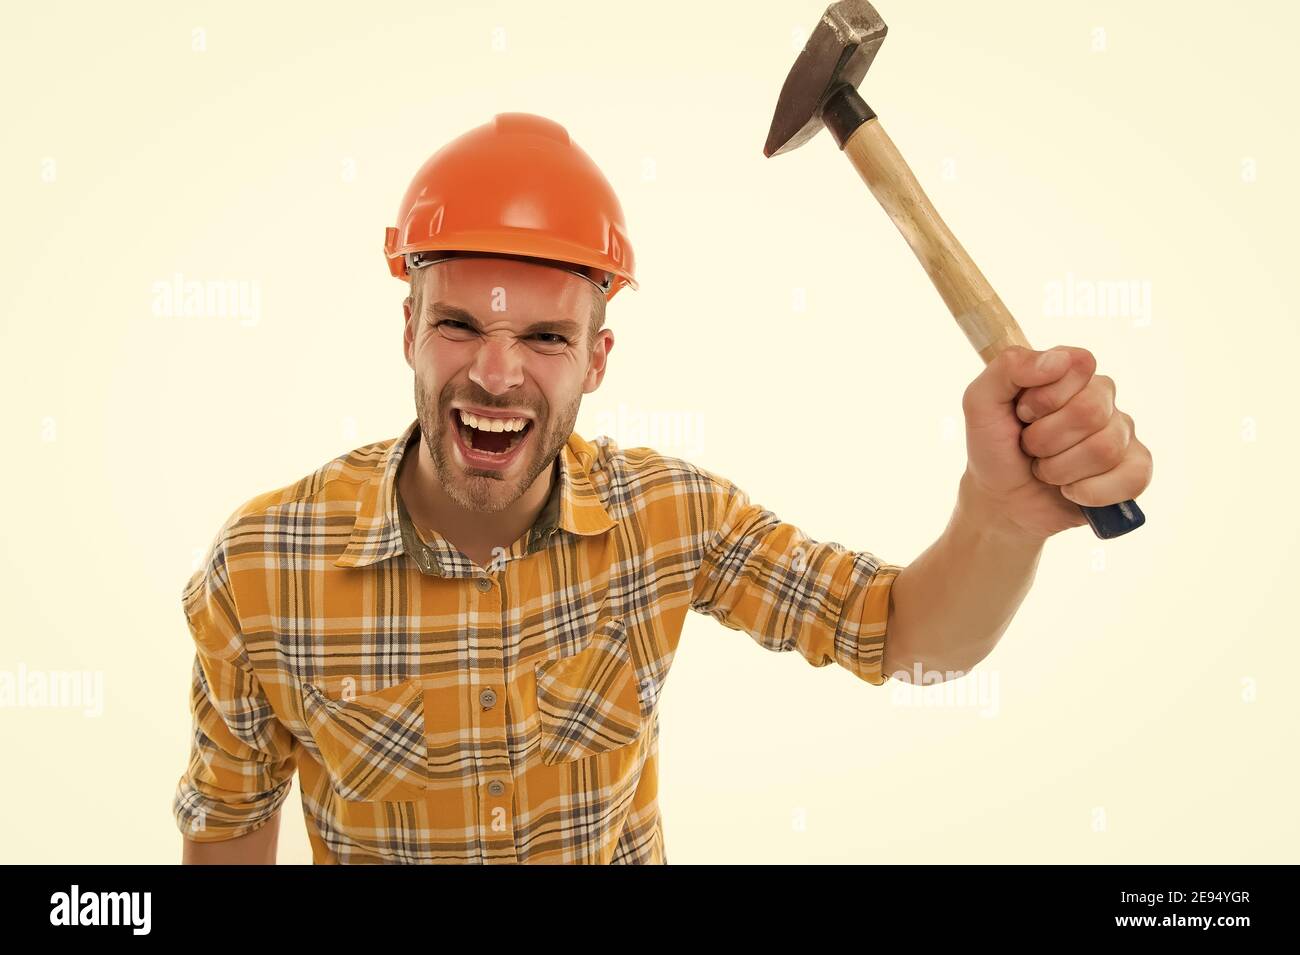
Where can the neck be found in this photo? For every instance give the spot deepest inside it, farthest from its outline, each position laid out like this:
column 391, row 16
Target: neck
column 475, row 533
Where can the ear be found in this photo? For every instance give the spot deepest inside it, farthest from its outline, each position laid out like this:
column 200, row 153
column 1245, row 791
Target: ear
column 408, row 330
column 598, row 362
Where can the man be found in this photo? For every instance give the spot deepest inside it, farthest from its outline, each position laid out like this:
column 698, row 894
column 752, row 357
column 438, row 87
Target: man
column 459, row 637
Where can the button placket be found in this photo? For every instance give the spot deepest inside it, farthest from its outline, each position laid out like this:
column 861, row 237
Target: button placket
column 494, row 770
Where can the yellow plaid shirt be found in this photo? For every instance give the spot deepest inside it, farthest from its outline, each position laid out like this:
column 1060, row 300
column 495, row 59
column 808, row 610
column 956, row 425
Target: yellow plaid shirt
column 442, row 712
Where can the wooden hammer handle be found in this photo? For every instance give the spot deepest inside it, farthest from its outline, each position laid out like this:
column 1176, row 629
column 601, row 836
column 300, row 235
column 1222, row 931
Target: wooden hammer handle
column 987, row 323
column 979, row 312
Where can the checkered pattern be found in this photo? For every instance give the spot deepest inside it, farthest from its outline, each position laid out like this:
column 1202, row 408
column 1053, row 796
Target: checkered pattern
column 442, row 712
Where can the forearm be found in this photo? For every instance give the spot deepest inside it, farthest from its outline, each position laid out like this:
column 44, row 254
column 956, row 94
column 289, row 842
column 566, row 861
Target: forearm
column 950, row 606
column 254, row 848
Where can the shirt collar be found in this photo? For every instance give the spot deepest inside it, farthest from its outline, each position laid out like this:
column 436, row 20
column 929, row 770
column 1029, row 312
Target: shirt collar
column 383, row 527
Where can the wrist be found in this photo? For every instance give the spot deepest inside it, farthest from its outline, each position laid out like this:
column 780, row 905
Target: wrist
column 986, row 514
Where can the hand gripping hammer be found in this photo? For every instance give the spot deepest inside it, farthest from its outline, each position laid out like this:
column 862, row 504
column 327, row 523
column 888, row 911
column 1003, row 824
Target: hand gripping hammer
column 822, row 90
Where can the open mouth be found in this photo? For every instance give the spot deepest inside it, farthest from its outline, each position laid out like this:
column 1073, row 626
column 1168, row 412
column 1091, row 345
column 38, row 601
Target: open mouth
column 489, row 440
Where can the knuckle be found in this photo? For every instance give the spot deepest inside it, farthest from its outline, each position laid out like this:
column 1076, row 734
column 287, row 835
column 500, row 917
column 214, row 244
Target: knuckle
column 1101, row 392
column 1113, row 446
column 1099, row 415
column 1003, row 363
column 1079, row 416
column 1010, row 356
column 1108, row 391
column 1126, row 434
column 1147, row 468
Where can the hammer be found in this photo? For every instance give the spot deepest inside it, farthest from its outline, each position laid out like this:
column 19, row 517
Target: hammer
column 822, row 90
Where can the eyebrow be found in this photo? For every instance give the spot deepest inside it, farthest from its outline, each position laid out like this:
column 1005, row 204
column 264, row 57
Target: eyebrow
column 566, row 327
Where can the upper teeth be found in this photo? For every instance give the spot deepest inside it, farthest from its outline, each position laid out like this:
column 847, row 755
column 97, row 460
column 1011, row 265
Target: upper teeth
column 493, row 424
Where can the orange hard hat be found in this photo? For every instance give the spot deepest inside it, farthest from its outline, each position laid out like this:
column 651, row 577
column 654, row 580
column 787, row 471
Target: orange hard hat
column 517, row 186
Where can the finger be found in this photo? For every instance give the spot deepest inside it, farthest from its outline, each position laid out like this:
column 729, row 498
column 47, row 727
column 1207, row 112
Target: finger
column 1123, row 482
column 1095, row 454
column 1083, row 415
column 1040, row 401
column 1005, row 377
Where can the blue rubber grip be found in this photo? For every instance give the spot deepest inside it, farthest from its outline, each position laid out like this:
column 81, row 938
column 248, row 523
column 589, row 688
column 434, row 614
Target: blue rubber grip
column 1114, row 520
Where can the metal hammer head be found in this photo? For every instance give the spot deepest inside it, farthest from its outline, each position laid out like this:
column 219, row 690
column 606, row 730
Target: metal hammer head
column 839, row 52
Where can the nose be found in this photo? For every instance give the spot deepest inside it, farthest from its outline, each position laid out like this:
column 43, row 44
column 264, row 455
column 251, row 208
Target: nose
column 497, row 366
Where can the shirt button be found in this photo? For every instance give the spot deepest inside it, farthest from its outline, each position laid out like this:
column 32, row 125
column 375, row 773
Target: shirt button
column 488, row 698
column 483, row 584
column 496, row 787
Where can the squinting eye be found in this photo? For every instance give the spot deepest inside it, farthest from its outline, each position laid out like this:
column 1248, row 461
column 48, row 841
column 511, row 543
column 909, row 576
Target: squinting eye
column 457, row 331
column 548, row 343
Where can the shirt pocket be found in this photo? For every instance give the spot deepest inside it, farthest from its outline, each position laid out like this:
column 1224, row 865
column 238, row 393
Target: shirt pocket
column 372, row 745
column 587, row 702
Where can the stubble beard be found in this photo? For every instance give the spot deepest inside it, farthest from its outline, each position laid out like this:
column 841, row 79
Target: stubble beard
column 482, row 490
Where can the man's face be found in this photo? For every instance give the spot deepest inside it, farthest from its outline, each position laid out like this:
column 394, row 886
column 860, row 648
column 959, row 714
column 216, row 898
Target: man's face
column 507, row 339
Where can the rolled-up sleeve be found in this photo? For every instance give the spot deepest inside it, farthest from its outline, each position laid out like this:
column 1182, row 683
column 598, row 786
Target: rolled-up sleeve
column 769, row 579
column 241, row 762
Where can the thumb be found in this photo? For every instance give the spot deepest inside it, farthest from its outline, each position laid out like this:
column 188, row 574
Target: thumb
column 1012, row 370
column 1017, row 368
